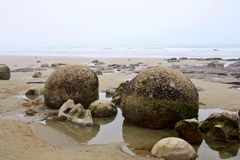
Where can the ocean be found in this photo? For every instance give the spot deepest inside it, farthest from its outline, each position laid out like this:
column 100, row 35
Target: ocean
column 161, row 52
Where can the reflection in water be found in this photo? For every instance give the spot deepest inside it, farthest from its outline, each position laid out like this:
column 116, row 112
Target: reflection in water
column 111, row 132
column 82, row 134
column 225, row 150
column 104, row 120
column 141, row 140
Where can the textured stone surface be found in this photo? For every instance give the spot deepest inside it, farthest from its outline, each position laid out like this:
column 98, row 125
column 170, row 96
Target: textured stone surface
column 173, row 148
column 188, row 130
column 75, row 82
column 102, row 108
column 4, row 72
column 221, row 126
column 37, row 75
column 75, row 113
column 158, row 98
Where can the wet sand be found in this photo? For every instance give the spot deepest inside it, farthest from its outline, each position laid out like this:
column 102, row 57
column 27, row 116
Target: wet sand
column 18, row 141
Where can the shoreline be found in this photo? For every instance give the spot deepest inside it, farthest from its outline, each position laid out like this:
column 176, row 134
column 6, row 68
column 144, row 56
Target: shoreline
column 213, row 94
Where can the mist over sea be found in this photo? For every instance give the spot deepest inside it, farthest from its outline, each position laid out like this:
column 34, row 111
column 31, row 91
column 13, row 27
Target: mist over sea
column 151, row 52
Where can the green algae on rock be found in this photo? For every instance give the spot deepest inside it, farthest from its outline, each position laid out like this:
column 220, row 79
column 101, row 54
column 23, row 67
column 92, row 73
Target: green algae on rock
column 221, row 126
column 116, row 98
column 76, row 82
column 159, row 97
column 188, row 130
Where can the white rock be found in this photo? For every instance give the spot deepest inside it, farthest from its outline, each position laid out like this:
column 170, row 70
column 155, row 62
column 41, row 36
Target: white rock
column 75, row 113
column 86, row 120
column 66, row 108
column 173, row 148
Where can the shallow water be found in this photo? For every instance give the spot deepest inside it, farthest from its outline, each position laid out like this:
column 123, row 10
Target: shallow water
column 140, row 140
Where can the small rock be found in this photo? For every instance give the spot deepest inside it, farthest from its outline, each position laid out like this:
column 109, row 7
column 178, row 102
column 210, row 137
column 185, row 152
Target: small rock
column 183, row 58
column 83, row 119
column 221, row 126
column 54, row 65
column 30, row 112
column 102, row 108
column 173, row 148
column 4, row 72
column 44, row 65
column 95, row 61
column 75, row 113
column 33, row 93
column 114, row 66
column 215, row 64
column 68, row 109
column 37, row 75
column 173, row 60
column 188, row 130
column 212, row 59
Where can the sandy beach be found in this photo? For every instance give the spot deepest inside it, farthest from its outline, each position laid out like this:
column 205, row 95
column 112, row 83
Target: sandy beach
column 21, row 138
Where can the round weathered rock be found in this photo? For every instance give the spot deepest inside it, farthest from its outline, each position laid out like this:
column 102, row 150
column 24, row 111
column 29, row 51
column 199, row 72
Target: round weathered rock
column 45, row 65
column 173, row 148
column 37, row 75
column 102, row 108
column 159, row 97
column 75, row 82
column 4, row 72
column 221, row 127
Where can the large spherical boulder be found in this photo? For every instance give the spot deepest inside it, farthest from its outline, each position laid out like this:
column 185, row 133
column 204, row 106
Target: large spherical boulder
column 102, row 108
column 75, row 82
column 4, row 72
column 159, row 97
column 173, row 148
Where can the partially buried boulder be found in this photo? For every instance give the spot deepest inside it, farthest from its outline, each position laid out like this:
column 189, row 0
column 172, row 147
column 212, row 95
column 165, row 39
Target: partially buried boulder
column 33, row 93
column 158, row 98
column 4, row 72
column 173, row 148
column 102, row 108
column 221, row 126
column 75, row 113
column 75, row 82
column 188, row 130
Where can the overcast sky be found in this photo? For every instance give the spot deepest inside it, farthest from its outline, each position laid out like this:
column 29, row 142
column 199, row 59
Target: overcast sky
column 118, row 23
